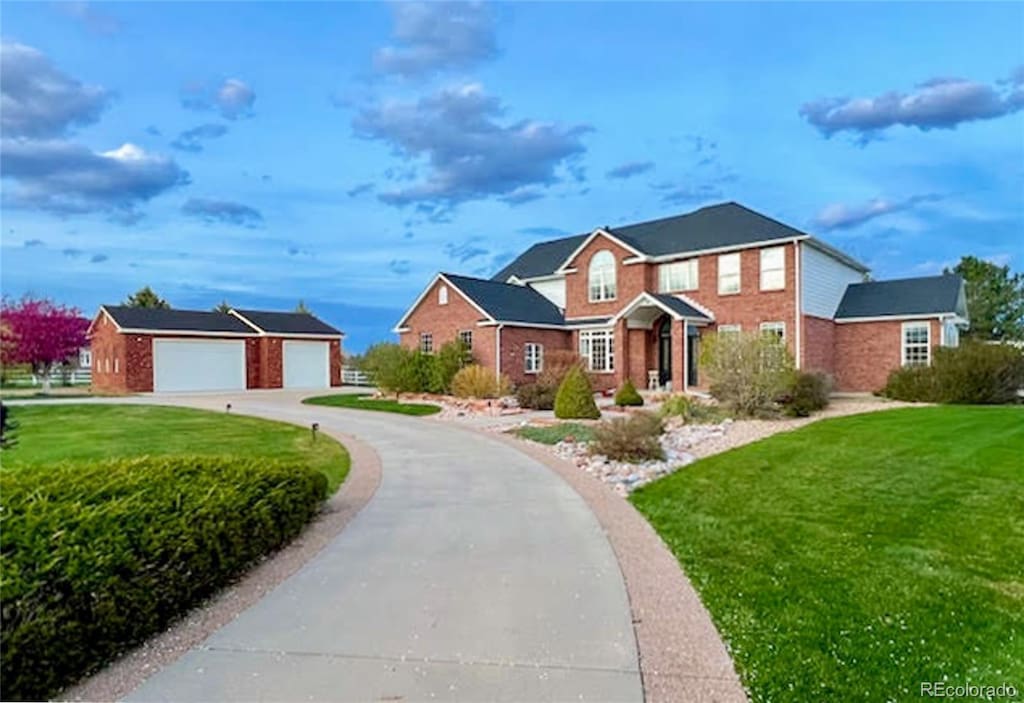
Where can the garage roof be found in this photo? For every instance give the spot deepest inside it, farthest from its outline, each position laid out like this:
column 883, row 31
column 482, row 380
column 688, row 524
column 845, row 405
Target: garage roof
column 166, row 320
column 287, row 323
column 907, row 296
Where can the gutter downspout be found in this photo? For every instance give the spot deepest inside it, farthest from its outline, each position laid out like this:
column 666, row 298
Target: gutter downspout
column 798, row 312
column 497, row 352
column 686, row 356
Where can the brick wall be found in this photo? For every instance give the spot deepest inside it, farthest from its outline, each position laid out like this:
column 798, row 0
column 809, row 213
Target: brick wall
column 271, row 372
column 866, row 352
column 819, row 344
column 445, row 322
column 513, row 349
column 107, row 345
column 630, row 281
column 337, row 359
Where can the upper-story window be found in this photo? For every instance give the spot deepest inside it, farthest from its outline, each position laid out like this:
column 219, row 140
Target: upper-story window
column 773, row 268
column 728, row 274
column 602, row 276
column 442, row 295
column 677, row 276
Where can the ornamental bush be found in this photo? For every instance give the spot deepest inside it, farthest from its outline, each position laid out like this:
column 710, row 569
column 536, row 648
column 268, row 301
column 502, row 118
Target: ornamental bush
column 628, row 395
column 632, row 439
column 536, row 396
column 475, row 381
column 98, row 557
column 747, row 371
column 974, row 373
column 452, row 357
column 807, row 393
column 575, row 397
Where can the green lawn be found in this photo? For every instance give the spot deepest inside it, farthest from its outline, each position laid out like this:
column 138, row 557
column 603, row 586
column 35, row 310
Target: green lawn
column 363, row 401
column 50, row 433
column 553, row 434
column 858, row 557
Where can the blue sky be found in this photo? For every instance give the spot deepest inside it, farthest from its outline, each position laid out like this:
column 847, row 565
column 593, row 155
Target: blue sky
column 343, row 153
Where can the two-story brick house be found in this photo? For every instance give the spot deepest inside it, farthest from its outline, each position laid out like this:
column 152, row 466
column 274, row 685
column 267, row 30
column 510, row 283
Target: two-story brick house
column 636, row 301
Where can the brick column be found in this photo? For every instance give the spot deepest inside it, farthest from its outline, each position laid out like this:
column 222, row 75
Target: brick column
column 678, row 355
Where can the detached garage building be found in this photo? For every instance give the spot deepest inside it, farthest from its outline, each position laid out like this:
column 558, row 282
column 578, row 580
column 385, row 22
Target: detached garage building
column 149, row 349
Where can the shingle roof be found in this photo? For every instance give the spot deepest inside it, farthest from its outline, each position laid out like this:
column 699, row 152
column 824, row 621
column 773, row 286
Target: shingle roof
column 508, row 302
column 540, row 259
column 679, row 306
column 176, row 320
column 712, row 227
column 288, row 323
column 906, row 296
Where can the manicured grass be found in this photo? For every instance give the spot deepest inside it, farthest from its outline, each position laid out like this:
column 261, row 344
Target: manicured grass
column 362, row 401
column 51, row 433
column 553, row 434
column 858, row 557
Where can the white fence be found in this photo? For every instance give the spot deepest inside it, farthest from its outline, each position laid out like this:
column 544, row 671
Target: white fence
column 354, row 377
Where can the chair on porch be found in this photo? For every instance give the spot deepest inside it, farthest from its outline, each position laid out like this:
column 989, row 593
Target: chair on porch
column 653, row 380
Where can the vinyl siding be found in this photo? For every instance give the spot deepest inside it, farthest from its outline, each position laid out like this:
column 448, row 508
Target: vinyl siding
column 823, row 281
column 553, row 290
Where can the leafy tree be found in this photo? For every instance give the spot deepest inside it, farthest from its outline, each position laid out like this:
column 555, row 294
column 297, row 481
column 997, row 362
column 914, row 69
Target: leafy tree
column 392, row 368
column 223, row 306
column 995, row 299
column 146, row 298
column 747, row 371
column 301, row 308
column 42, row 334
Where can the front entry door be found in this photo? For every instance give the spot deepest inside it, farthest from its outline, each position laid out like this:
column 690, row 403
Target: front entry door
column 665, row 352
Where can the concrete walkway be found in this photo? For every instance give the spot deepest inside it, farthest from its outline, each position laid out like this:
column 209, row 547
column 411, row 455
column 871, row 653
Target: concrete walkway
column 474, row 573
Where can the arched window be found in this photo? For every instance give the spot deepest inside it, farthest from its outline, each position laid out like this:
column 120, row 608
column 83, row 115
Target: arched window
column 602, row 276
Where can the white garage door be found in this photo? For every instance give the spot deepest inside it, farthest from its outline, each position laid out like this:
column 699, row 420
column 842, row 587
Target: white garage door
column 307, row 364
column 198, row 365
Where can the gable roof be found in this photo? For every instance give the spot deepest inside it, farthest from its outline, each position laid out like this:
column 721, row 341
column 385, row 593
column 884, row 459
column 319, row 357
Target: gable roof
column 507, row 302
column 680, row 306
column 131, row 318
column 721, row 226
column 287, row 323
column 929, row 295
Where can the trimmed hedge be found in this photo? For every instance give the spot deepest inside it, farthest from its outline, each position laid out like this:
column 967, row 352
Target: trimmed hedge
column 628, row 395
column 575, row 397
column 97, row 557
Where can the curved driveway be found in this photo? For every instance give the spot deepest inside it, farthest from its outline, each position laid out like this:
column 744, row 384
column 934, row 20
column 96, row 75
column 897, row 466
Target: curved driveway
column 474, row 574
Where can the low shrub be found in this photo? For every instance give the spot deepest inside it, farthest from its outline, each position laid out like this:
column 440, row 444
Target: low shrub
column 97, row 557
column 536, row 396
column 575, row 397
column 807, row 393
column 450, row 358
column 628, row 395
column 692, row 411
column 553, row 434
column 632, row 439
column 971, row 374
column 475, row 381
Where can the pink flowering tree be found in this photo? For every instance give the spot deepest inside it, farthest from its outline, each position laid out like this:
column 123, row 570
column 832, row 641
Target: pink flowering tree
column 40, row 333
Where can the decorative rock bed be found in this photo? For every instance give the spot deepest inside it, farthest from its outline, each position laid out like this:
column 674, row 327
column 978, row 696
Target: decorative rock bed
column 678, row 440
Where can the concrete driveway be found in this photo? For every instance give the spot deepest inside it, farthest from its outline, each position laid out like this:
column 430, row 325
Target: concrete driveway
column 474, row 574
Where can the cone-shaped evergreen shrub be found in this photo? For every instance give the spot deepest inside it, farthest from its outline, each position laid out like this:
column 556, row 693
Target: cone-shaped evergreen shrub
column 628, row 395
column 575, row 398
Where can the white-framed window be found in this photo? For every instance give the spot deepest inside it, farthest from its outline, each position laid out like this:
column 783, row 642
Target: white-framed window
column 778, row 329
column 426, row 343
column 598, row 348
column 534, row 362
column 729, row 329
column 773, row 268
column 951, row 335
column 466, row 337
column 601, row 277
column 677, row 276
column 916, row 348
column 85, row 358
column 728, row 274
column 442, row 295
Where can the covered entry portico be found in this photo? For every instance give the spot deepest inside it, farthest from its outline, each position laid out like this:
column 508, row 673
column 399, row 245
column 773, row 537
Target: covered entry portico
column 657, row 337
